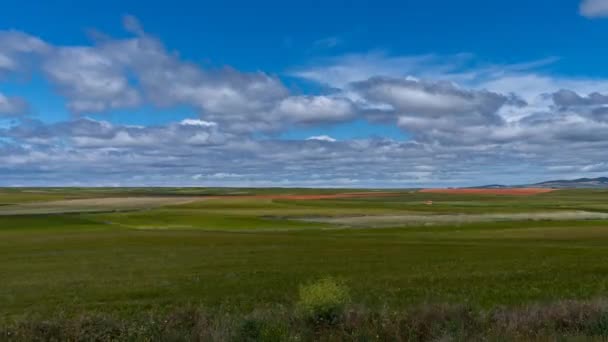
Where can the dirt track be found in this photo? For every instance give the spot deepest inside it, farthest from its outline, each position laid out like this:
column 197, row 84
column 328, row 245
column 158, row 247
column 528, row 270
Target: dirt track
column 504, row 191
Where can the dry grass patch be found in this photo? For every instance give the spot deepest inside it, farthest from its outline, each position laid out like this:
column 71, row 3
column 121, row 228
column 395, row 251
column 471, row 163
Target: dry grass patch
column 94, row 205
column 397, row 220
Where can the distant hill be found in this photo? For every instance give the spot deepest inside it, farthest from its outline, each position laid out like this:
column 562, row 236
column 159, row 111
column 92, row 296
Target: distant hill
column 601, row 182
column 580, row 183
column 491, row 186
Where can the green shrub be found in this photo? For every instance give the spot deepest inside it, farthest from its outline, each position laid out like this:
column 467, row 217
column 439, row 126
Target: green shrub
column 249, row 330
column 598, row 326
column 323, row 301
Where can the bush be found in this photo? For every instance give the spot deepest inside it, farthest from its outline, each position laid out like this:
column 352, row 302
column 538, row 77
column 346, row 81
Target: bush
column 323, row 301
column 266, row 329
column 249, row 330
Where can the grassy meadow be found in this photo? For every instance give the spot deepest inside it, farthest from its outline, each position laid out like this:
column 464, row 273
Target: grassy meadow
column 66, row 252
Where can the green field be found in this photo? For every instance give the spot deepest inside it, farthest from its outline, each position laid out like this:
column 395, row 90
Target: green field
column 241, row 254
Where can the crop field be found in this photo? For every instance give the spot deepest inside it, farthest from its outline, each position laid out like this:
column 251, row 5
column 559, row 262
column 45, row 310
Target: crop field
column 124, row 252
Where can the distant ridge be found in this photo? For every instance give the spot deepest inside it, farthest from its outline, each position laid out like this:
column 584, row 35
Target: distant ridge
column 580, row 183
column 491, row 186
column 600, row 182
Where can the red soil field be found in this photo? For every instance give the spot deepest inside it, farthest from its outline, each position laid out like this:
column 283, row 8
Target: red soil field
column 503, row 191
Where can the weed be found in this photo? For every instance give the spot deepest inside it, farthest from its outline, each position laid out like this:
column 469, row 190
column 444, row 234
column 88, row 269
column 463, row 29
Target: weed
column 323, row 302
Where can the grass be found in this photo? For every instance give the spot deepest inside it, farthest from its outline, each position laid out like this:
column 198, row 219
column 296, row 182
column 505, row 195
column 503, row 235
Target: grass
column 238, row 256
column 561, row 321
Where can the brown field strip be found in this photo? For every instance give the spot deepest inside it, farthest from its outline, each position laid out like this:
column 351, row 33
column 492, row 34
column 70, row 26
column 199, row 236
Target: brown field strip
column 311, row 197
column 137, row 203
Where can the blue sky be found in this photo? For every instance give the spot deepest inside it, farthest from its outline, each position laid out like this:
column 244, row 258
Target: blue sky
column 366, row 93
column 276, row 35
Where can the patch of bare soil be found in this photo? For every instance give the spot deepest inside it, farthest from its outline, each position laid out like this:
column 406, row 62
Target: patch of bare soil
column 313, row 197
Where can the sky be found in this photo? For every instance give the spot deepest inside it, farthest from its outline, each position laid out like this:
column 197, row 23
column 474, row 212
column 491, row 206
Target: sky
column 374, row 94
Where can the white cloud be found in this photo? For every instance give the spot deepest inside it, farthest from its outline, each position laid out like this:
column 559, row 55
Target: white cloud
column 90, row 79
column 197, row 122
column 566, row 98
column 431, row 110
column 465, row 69
column 315, row 109
column 125, row 73
column 326, row 138
column 340, row 71
column 467, row 123
column 163, row 155
column 16, row 48
column 594, row 8
column 10, row 106
column 421, row 97
column 89, row 133
column 544, row 147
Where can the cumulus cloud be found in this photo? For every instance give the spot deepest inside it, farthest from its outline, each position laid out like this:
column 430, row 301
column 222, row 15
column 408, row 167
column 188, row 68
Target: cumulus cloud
column 89, row 133
column 118, row 73
column 466, row 123
column 432, row 110
column 88, row 149
column 455, row 101
column 91, row 80
column 10, row 106
column 326, row 138
column 197, row 122
column 123, row 73
column 315, row 109
column 17, row 48
column 238, row 100
column 568, row 98
column 429, row 98
column 594, row 8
